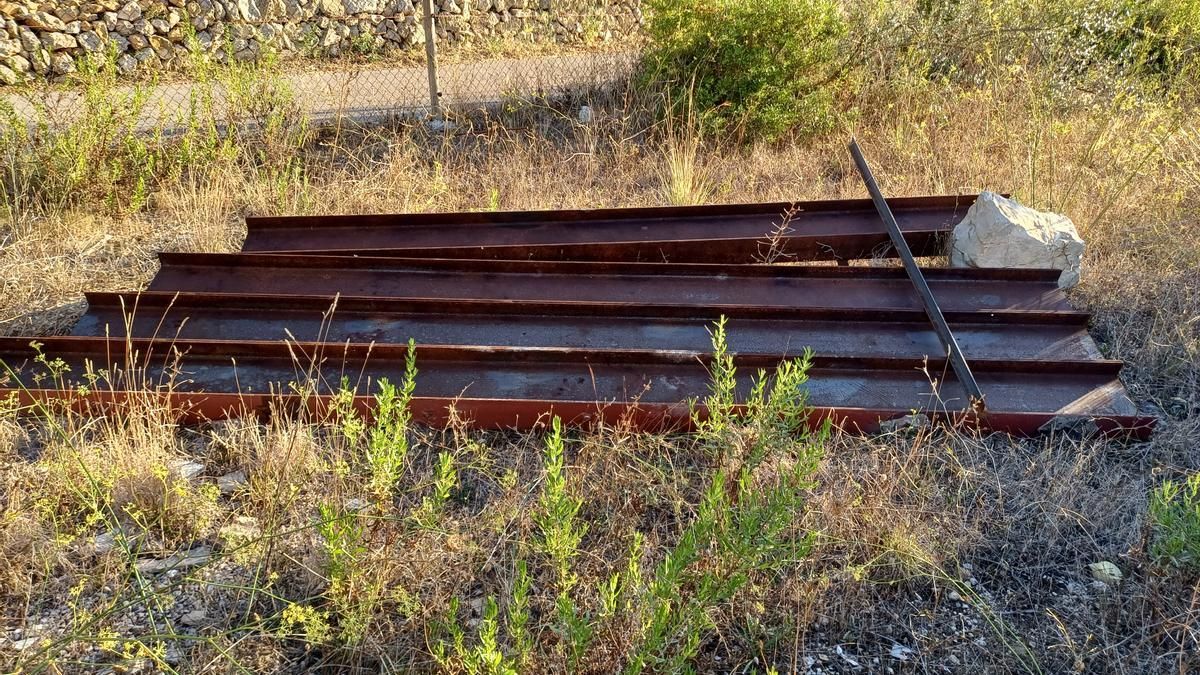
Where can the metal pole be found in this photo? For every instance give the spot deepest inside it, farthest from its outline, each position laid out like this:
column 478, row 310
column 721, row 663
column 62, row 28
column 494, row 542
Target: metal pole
column 435, row 103
column 957, row 360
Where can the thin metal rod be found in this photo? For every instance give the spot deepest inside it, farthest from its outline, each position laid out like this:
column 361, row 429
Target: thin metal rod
column 957, row 360
column 435, row 104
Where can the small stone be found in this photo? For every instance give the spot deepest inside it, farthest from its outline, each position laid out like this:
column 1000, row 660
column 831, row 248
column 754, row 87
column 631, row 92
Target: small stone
column 904, row 423
column 901, row 652
column 196, row 617
column 185, row 469
column 29, row 40
column 90, row 41
column 166, row 51
column 132, row 11
column 954, row 596
column 243, row 529
column 1107, row 572
column 126, row 64
column 62, row 63
column 18, row 63
column 45, row 21
column 334, row 9
column 8, row 76
column 58, row 41
column 231, row 482
column 104, row 543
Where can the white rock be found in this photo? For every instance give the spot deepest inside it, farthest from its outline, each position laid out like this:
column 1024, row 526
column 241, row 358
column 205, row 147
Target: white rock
column 186, row 469
column 331, row 8
column 902, row 652
column 1107, row 572
column 104, row 543
column 45, row 21
column 1000, row 232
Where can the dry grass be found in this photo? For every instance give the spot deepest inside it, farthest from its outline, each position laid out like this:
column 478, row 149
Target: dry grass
column 934, row 551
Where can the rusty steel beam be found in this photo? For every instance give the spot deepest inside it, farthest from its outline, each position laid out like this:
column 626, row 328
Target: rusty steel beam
column 747, row 233
column 518, row 387
column 752, row 330
column 710, row 286
column 949, row 344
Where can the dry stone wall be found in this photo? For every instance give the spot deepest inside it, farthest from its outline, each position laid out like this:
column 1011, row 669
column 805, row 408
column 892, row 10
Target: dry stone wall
column 49, row 39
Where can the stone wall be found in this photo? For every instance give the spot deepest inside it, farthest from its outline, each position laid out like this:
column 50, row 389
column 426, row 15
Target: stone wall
column 48, row 39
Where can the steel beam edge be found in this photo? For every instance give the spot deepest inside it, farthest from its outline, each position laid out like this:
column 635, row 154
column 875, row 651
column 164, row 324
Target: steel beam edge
column 526, row 415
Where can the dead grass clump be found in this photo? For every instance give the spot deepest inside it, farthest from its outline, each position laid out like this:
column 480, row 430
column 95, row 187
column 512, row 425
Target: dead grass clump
column 124, row 471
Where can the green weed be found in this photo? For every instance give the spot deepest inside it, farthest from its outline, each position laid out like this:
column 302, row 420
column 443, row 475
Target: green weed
column 1175, row 521
column 388, row 439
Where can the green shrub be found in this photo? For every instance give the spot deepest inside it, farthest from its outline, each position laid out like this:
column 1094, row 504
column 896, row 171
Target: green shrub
column 1175, row 518
column 764, row 68
column 1078, row 42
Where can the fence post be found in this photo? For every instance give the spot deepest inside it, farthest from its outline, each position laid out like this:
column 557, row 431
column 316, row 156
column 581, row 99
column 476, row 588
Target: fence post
column 435, row 104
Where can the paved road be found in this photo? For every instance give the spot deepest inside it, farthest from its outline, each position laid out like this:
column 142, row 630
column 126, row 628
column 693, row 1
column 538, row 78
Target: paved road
column 375, row 90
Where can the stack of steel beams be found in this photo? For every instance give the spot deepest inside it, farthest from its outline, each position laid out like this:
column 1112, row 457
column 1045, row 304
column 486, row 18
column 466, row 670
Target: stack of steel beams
column 590, row 315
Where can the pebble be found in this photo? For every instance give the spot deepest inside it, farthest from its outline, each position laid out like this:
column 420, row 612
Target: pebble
column 231, row 482
column 196, row 617
column 187, row 470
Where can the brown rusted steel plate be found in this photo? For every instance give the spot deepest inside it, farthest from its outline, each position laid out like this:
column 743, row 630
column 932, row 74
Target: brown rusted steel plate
column 772, row 331
column 519, row 387
column 711, row 286
column 817, row 230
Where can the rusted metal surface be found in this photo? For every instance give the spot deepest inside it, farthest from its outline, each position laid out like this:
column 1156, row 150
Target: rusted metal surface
column 601, row 336
column 762, row 331
column 816, row 230
column 711, row 286
column 519, row 387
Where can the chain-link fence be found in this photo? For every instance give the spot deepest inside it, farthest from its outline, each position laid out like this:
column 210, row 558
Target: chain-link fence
column 365, row 67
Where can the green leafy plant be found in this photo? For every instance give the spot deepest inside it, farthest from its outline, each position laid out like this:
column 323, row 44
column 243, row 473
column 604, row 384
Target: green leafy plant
column 388, row 442
column 768, row 67
column 1175, row 519
column 560, row 533
column 557, row 517
column 445, row 479
column 486, row 657
column 518, row 614
column 742, row 526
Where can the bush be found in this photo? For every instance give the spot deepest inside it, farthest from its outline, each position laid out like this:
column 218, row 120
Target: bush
column 764, row 68
column 1175, row 516
column 1080, row 43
